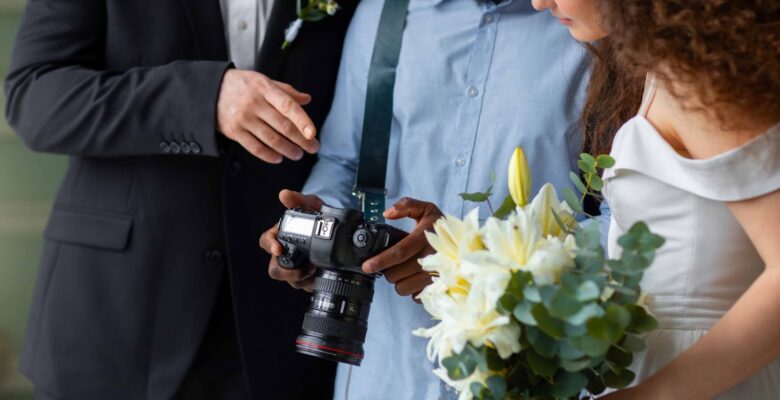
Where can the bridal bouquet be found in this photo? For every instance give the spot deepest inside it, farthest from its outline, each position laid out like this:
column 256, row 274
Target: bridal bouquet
column 528, row 307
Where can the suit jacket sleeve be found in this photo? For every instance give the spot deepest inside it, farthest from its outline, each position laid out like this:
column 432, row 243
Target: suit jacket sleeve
column 62, row 99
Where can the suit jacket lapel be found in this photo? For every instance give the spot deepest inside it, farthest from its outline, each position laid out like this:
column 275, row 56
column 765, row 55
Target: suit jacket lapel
column 271, row 56
column 205, row 17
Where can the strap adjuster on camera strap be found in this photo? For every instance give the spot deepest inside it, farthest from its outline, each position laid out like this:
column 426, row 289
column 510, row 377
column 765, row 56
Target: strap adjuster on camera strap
column 372, row 203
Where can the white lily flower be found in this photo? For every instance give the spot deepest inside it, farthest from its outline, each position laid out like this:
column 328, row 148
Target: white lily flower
column 292, row 32
column 542, row 208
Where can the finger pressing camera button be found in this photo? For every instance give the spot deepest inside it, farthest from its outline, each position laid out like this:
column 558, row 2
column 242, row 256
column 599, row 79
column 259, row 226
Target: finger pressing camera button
column 361, row 238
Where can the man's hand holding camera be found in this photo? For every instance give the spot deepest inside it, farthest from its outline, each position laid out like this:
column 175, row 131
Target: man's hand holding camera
column 398, row 263
column 299, row 278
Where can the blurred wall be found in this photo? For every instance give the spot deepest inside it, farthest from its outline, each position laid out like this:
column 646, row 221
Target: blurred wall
column 27, row 185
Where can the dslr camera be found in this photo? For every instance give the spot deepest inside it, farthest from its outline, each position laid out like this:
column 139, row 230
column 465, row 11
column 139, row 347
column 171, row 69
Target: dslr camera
column 337, row 241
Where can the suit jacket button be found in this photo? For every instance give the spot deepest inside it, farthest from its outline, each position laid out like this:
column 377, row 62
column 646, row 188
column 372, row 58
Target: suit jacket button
column 214, row 257
column 194, row 148
column 185, row 148
column 175, row 149
column 165, row 148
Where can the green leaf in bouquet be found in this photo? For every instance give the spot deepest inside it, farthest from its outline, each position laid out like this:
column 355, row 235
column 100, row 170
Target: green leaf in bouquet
column 591, row 346
column 567, row 351
column 587, row 167
column 577, row 181
column 531, row 293
column 596, row 183
column 477, row 355
column 565, row 228
column 605, row 161
column 575, row 365
column 572, row 330
column 459, row 366
column 589, row 237
column 615, row 380
column 543, row 344
column 497, row 386
column 506, row 208
column 477, row 197
column 541, row 365
column 632, row 343
column 641, row 321
column 494, row 361
column 598, row 328
column 595, row 383
column 563, row 305
column 588, row 158
column 547, row 323
column 618, row 316
column 477, row 389
column 627, row 265
column 522, row 313
column 619, row 357
column 587, row 312
column 568, row 384
column 588, row 291
column 572, row 200
column 570, row 281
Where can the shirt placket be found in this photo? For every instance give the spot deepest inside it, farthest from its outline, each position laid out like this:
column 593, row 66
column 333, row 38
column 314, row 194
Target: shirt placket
column 477, row 71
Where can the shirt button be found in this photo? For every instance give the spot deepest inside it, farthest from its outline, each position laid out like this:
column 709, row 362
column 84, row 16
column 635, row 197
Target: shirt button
column 488, row 18
column 185, row 148
column 165, row 148
column 473, row 92
column 242, row 25
column 460, row 161
column 175, row 149
column 214, row 257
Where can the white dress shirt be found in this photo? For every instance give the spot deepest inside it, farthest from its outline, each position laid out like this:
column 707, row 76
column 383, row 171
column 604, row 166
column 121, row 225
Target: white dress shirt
column 245, row 22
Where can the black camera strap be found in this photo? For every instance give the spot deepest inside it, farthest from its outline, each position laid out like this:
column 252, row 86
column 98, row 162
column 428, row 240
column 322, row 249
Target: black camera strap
column 378, row 116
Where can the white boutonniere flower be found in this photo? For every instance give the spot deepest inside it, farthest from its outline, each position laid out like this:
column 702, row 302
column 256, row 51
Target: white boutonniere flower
column 314, row 11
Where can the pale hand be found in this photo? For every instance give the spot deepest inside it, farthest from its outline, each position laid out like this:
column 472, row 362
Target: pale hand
column 265, row 116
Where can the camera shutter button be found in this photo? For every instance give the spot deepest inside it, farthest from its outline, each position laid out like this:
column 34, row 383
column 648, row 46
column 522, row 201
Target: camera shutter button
column 361, row 238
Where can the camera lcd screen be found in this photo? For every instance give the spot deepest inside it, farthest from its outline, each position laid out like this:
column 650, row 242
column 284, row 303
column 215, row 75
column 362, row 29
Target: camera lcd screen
column 298, row 226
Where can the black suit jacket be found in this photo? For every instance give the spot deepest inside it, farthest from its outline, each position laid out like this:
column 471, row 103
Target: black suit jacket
column 153, row 205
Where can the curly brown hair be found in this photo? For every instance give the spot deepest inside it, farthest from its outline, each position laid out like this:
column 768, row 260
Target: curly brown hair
column 724, row 52
column 613, row 98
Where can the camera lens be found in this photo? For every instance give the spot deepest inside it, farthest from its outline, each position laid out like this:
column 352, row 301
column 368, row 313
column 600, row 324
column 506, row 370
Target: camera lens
column 335, row 325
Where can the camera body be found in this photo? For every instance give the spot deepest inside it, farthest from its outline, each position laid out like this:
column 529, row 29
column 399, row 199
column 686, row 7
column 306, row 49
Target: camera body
column 332, row 238
column 337, row 241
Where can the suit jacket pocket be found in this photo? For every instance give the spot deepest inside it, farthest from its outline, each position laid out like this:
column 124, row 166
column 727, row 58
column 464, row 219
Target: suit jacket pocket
column 89, row 228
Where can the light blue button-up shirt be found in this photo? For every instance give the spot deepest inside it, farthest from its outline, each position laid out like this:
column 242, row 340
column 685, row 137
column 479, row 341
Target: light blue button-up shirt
column 474, row 81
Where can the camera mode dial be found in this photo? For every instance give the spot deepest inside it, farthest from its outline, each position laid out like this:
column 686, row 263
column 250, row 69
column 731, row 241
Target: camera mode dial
column 361, row 238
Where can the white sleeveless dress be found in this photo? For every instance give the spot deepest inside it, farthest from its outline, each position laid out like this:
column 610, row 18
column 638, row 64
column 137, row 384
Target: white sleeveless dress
column 708, row 262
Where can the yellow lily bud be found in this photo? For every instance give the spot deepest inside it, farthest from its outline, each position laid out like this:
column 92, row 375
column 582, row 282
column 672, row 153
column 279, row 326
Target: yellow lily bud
column 519, row 178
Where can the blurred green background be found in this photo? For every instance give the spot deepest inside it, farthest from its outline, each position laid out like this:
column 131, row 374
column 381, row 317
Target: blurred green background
column 27, row 185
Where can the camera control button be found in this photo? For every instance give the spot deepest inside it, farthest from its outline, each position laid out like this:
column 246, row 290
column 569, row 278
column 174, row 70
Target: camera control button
column 361, row 238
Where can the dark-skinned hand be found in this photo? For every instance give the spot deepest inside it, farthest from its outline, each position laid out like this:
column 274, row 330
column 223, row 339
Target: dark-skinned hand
column 400, row 263
column 299, row 278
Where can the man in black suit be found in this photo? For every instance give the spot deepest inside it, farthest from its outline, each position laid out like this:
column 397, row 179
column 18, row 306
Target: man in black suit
column 151, row 282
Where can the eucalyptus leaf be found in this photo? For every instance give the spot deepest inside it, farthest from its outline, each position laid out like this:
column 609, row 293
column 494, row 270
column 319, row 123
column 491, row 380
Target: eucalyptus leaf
column 497, row 386
column 458, row 366
column 546, row 323
column 587, row 312
column 621, row 380
column 591, row 346
column 619, row 357
column 586, row 167
column 568, row 384
column 641, row 321
column 564, row 305
column 477, row 197
column 605, row 161
column 541, row 365
column 632, row 343
column 588, row 291
column 572, row 200
column 596, row 183
column 542, row 343
column 522, row 313
column 577, row 181
column 588, row 158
